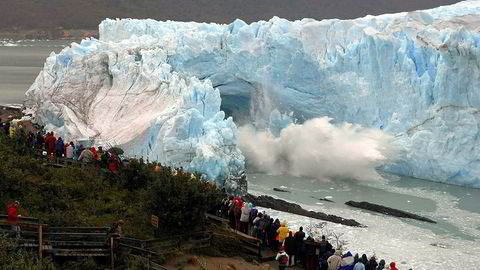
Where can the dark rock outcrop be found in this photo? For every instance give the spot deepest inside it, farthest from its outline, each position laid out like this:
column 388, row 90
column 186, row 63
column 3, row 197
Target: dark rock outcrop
column 284, row 206
column 281, row 190
column 387, row 210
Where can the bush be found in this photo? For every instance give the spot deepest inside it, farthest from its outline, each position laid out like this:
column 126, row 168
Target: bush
column 12, row 258
column 180, row 202
column 73, row 196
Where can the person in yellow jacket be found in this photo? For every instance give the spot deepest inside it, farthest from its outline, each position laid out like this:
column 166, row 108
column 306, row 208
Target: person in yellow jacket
column 282, row 232
column 13, row 132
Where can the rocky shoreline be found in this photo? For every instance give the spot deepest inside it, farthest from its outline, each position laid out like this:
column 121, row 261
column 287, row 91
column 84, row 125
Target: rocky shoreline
column 284, row 206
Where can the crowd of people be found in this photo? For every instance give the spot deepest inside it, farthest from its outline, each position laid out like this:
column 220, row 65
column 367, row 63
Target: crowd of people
column 294, row 248
column 56, row 147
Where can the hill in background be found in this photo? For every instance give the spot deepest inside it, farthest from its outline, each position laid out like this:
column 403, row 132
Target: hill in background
column 49, row 15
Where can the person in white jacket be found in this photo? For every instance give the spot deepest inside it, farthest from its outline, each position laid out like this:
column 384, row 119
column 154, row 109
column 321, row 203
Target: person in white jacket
column 69, row 151
column 244, row 218
column 282, row 259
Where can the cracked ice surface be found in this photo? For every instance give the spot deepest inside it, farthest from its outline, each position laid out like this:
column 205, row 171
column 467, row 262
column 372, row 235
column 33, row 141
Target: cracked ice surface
column 152, row 86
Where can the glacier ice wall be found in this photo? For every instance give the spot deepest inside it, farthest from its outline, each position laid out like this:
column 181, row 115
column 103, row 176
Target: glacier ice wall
column 143, row 84
column 130, row 97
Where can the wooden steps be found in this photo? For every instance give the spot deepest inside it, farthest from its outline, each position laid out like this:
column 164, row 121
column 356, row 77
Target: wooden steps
column 81, row 252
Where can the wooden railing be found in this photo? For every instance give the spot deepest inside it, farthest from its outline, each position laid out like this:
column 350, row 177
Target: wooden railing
column 170, row 243
column 62, row 241
column 251, row 243
column 148, row 250
column 59, row 161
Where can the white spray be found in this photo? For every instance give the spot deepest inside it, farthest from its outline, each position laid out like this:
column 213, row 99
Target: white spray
column 319, row 149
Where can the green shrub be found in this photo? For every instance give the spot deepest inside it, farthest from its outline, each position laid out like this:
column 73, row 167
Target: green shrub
column 12, row 258
column 180, row 202
column 73, row 196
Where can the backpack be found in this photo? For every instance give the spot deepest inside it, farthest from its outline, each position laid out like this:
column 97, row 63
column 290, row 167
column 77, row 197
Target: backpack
column 283, row 260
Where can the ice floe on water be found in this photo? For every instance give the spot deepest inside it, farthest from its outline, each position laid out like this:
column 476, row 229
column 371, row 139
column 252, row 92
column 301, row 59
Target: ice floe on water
column 394, row 240
column 409, row 243
column 8, row 43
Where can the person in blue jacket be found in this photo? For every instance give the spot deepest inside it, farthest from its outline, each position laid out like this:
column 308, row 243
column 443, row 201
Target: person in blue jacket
column 60, row 147
column 347, row 261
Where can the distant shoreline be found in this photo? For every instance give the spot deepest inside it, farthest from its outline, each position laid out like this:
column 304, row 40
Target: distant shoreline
column 48, row 34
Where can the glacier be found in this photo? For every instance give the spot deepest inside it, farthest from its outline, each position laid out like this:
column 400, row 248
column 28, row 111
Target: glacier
column 171, row 91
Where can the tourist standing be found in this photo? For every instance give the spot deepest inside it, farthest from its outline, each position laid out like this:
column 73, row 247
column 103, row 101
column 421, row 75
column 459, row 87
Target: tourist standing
column 282, row 232
column 282, row 259
column 113, row 163
column 381, row 265
column 69, row 151
column 244, row 218
column 335, row 260
column 347, row 261
column 310, row 248
column 98, row 157
column 252, row 217
column 238, row 213
column 393, row 266
column 59, row 147
column 359, row 265
column 12, row 132
column 86, row 156
column 372, row 264
column 50, row 141
column 291, row 248
column 268, row 230
column 6, row 128
column 94, row 152
column 299, row 236
column 273, row 235
column 40, row 140
column 324, row 246
column 12, row 217
column 231, row 215
column 256, row 225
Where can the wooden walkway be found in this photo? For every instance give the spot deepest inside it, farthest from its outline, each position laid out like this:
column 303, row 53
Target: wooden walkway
column 41, row 154
column 251, row 243
column 96, row 241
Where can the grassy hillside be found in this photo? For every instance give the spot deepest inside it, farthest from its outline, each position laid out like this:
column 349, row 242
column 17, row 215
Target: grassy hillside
column 87, row 196
column 86, row 14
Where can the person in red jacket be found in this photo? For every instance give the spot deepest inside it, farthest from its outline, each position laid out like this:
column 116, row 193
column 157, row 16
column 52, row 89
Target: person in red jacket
column 51, row 141
column 112, row 164
column 392, row 266
column 13, row 217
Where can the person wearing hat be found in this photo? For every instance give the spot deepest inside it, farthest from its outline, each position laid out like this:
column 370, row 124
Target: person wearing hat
column 282, row 259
